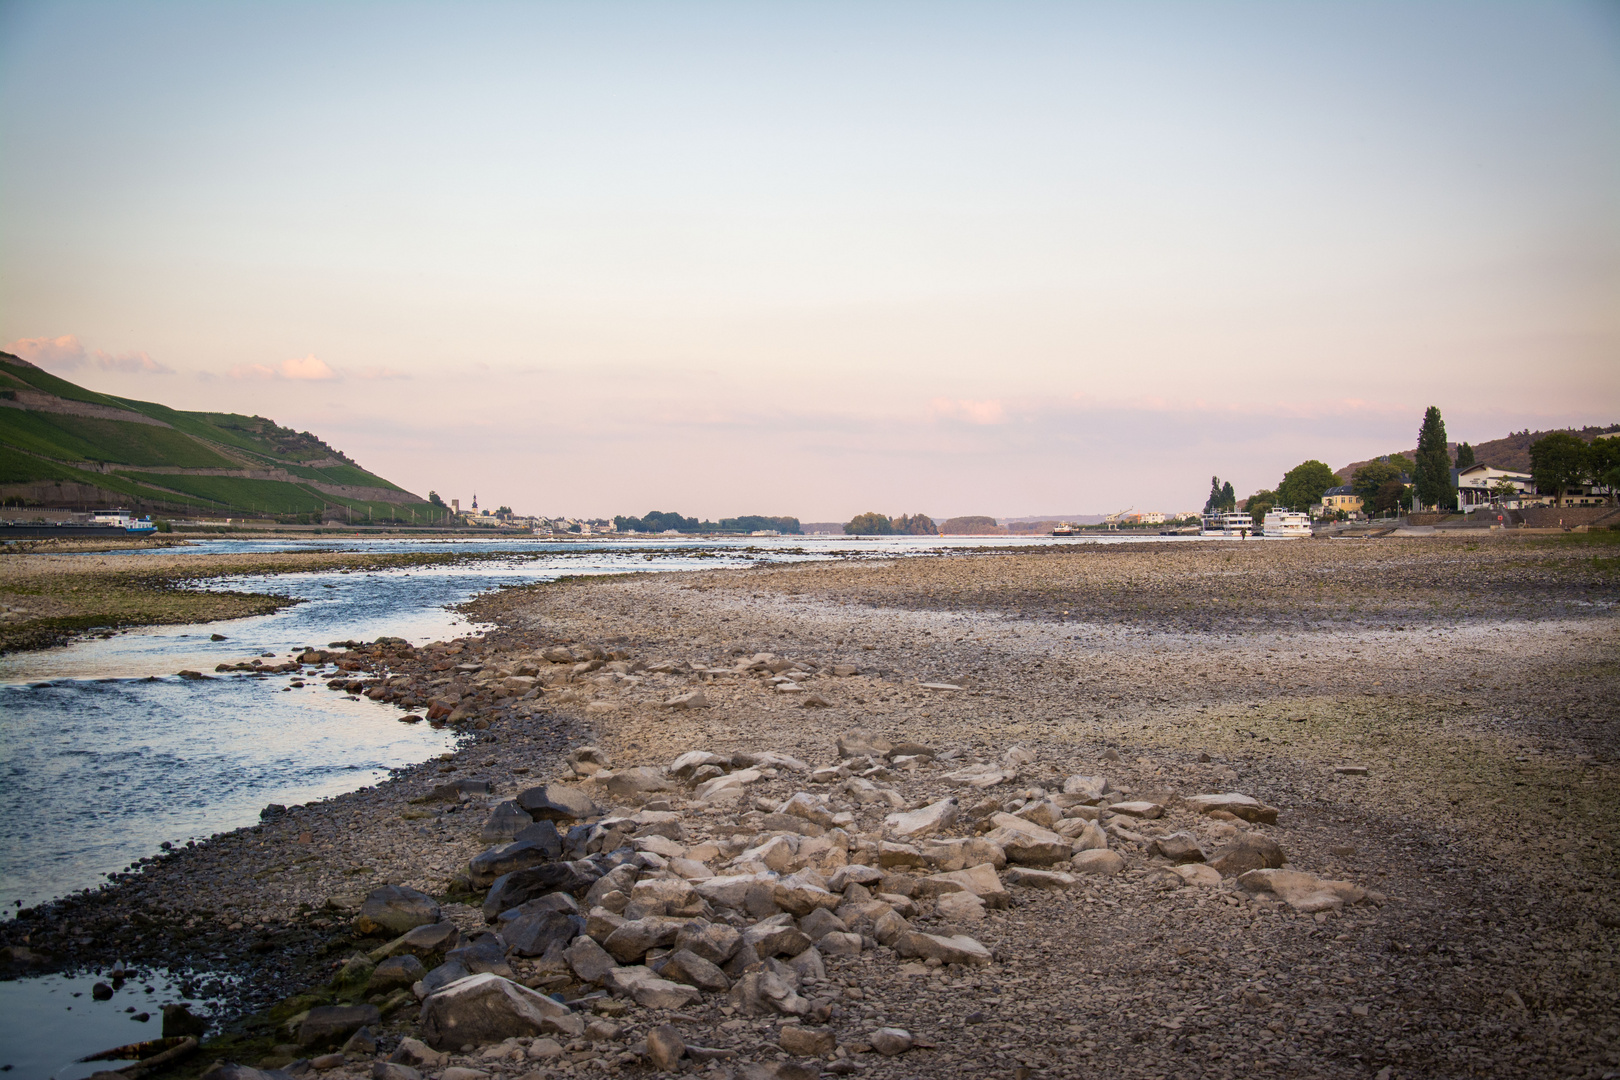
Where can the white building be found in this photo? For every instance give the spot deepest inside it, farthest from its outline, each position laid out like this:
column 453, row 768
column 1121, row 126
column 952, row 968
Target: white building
column 1477, row 486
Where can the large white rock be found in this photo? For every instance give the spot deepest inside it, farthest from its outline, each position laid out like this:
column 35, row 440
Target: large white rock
column 732, row 889
column 1026, row 842
column 956, row 949
column 709, row 789
column 1303, row 892
column 931, row 818
column 1242, row 806
column 487, row 1008
column 982, row 881
column 982, row 776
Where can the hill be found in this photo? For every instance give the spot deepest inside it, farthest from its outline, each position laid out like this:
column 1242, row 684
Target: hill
column 67, row 447
column 1511, row 452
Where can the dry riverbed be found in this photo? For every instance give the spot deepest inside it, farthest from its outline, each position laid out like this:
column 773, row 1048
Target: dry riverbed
column 1433, row 721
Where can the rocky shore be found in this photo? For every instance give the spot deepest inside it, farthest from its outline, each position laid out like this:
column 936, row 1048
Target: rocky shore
column 1323, row 809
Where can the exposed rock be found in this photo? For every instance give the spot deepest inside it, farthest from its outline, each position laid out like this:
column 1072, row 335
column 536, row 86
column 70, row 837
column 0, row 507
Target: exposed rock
column 807, row 1042
column 957, row 949
column 665, row 1048
column 934, row 817
column 394, row 973
column 1241, row 806
column 1098, row 861
column 890, row 1041
column 731, row 782
column 1026, row 842
column 394, row 909
column 535, row 931
column 686, row 966
column 1303, row 892
column 692, row 699
column 589, row 961
column 1145, row 810
column 504, row 823
column 1247, row 851
column 487, row 1008
column 1178, row 847
column 1198, row 874
column 329, row 1025
column 1040, row 879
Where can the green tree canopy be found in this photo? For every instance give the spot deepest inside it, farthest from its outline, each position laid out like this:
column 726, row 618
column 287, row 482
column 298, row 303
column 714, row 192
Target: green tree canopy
column 1257, row 504
column 1372, row 476
column 1604, row 464
column 433, row 497
column 656, row 521
column 870, row 523
column 915, row 525
column 1558, row 462
column 1391, row 495
column 1304, row 484
column 1221, row 496
column 1433, row 476
column 1465, row 456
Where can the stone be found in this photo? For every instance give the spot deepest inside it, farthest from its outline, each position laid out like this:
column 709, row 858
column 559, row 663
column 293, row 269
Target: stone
column 692, row 699
column 982, row 776
column 1247, row 851
column 519, row 887
column 453, row 791
column 1303, row 892
column 388, row 1070
column 329, row 1025
column 418, row 1054
column 1089, row 837
column 486, row 1008
column 545, row 1050
column 1198, row 874
column 1044, row 813
column 665, row 1048
column 853, row 874
column 659, row 845
column 955, row 949
column 807, row 806
column 807, row 965
column 557, row 802
column 1090, row 788
column 1040, row 879
column 503, row 823
column 1144, row 810
column 483, row 953
column 621, row 878
column 677, row 895
column 802, row 893
column 1018, row 755
column 802, row 1041
column 397, row 972
column 446, row 973
column 545, row 834
column 688, row 967
column 394, row 909
column 486, row 866
column 688, row 763
column 631, row 941
column 714, row 942
column 1240, row 806
column 820, row 921
column 893, row 854
column 982, row 881
column 853, row 744
column 935, row 817
column 1026, row 842
column 731, row 890
column 763, row 991
column 1178, row 847
column 712, row 789
column 1097, row 861
column 589, row 961
column 634, row 785
column 959, row 907
column 890, row 1041
column 232, row 1071
column 651, row 992
column 776, row 936
column 535, row 931
column 888, row 927
column 840, row 943
column 1350, row 770
column 178, row 1021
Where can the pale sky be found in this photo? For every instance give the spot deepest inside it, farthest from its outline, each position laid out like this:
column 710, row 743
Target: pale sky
column 816, row 259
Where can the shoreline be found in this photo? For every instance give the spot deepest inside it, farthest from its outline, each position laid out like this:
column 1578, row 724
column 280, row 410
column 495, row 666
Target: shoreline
column 1139, row 691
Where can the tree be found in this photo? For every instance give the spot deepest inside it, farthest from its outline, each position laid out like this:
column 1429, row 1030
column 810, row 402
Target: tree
column 1505, row 490
column 433, row 498
column 1213, row 503
column 1465, row 456
column 1228, row 497
column 1558, row 462
column 870, row 523
column 1604, row 464
column 1257, row 504
column 1372, row 476
column 1304, row 484
column 915, row 525
column 1433, row 476
column 1391, row 495
column 504, row 512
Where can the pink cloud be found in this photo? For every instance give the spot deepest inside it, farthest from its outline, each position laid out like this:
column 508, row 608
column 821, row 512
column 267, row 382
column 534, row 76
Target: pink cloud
column 309, row 368
column 67, row 353
column 973, row 412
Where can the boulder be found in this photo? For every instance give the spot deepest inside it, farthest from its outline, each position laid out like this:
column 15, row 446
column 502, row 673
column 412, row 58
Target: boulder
column 959, row 907
column 1089, row 837
column 631, row 941
column 651, row 992
column 932, row 818
column 442, row 976
column 418, row 1054
column 714, row 942
column 665, row 1048
column 956, row 949
column 1247, row 851
column 545, row 834
column 853, row 874
column 1303, row 892
column 803, row 1041
column 632, row 785
column 1040, row 879
column 404, row 971
column 521, row 886
column 485, row 953
column 557, row 802
column 1240, row 806
column 982, row 881
column 1144, row 810
column 486, row 1008
column 982, row 776
column 890, row 1041
column 688, row 967
column 589, row 960
column 711, row 789
column 1026, row 842
column 1197, row 874
column 776, row 936
column 394, row 909
column 1089, row 788
column 1044, row 813
column 808, row 807
column 535, row 931
column 692, row 699
column 690, row 762
column 1178, row 847
column 504, row 822
column 330, row 1025
column 1097, row 861
column 675, row 895
column 762, row 992
column 853, row 744
column 731, row 890
column 486, row 866
column 802, row 893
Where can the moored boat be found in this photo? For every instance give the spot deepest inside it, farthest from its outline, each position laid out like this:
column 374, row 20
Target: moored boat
column 1231, row 523
column 1065, row 529
column 1283, row 523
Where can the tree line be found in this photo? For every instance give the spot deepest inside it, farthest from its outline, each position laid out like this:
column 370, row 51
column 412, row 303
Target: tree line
column 872, row 523
column 657, row 521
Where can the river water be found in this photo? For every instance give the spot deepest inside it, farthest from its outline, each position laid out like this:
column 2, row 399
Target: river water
column 105, row 754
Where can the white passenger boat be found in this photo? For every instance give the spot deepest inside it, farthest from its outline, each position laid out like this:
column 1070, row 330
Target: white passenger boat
column 1285, row 523
column 1233, row 523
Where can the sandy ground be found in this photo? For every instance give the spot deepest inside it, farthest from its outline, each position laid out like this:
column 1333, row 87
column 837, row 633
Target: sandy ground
column 1475, row 681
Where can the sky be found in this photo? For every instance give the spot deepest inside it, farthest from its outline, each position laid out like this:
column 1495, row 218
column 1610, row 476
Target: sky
column 822, row 258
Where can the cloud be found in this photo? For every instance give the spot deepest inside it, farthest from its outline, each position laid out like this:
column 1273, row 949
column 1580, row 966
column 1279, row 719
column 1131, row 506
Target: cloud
column 67, row 353
column 311, row 368
column 973, row 412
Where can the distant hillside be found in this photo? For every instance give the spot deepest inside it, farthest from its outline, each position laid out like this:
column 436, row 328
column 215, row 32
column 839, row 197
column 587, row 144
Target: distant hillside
column 67, row 447
column 1511, row 452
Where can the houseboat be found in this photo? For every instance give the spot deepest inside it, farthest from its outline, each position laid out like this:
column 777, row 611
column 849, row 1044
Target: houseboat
column 1281, row 522
column 1230, row 523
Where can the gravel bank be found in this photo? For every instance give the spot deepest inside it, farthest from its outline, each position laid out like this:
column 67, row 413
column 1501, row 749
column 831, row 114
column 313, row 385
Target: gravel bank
column 1467, row 687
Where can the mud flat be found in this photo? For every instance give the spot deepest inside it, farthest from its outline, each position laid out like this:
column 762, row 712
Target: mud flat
column 1432, row 721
